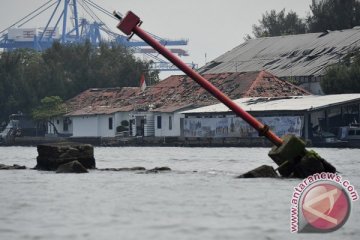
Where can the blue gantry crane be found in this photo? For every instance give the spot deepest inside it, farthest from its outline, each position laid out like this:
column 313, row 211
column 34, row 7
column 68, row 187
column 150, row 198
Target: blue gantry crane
column 65, row 26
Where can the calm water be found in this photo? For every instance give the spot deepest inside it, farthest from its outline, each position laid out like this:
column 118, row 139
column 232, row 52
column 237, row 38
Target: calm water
column 182, row 204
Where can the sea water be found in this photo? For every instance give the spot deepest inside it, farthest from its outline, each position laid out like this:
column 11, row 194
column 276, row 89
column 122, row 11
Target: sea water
column 199, row 199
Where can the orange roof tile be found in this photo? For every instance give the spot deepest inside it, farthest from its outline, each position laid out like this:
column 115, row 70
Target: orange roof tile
column 179, row 91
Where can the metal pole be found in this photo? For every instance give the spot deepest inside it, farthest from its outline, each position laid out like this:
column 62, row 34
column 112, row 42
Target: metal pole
column 130, row 24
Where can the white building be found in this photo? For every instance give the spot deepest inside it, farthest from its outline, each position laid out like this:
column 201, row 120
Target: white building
column 101, row 121
column 305, row 116
column 156, row 111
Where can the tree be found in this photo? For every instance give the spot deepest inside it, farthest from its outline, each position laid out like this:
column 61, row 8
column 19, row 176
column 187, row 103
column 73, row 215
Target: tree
column 49, row 108
column 343, row 77
column 65, row 70
column 333, row 15
column 278, row 24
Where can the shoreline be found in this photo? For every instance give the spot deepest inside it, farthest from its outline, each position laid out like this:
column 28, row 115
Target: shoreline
column 169, row 142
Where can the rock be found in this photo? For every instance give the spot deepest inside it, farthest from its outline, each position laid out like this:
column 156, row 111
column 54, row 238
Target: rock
column 51, row 156
column 310, row 164
column 295, row 161
column 123, row 169
column 158, row 169
column 71, row 167
column 263, row 171
column 13, row 167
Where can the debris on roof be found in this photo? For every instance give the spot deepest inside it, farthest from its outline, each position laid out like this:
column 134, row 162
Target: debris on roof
column 293, row 103
column 178, row 92
column 286, row 56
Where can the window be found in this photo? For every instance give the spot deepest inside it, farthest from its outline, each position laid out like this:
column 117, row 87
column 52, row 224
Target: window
column 110, row 123
column 66, row 124
column 170, row 122
column 158, row 120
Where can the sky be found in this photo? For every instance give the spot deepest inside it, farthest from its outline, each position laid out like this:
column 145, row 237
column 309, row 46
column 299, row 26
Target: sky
column 212, row 27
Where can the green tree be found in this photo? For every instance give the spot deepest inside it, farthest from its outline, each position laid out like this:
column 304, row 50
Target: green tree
column 278, row 24
column 49, row 108
column 27, row 76
column 333, row 15
column 343, row 77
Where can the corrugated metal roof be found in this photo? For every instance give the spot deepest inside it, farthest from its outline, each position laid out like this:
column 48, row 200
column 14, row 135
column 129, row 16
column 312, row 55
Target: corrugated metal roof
column 177, row 92
column 285, row 56
column 294, row 103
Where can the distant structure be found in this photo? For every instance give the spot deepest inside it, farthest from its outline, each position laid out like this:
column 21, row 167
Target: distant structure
column 65, row 26
column 302, row 58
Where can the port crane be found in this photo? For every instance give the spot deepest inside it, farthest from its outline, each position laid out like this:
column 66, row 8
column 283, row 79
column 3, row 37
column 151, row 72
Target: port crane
column 66, row 26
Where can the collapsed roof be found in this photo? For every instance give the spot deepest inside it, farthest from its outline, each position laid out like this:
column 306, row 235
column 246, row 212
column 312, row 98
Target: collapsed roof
column 286, row 56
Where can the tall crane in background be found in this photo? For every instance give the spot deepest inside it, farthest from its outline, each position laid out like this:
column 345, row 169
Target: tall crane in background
column 65, row 26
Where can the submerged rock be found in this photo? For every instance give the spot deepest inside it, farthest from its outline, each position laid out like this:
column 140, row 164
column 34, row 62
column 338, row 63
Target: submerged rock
column 124, row 169
column 51, row 156
column 158, row 169
column 71, row 167
column 263, row 171
column 13, row 167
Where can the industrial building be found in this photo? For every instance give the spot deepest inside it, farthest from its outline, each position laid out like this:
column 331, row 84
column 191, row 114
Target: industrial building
column 314, row 118
column 301, row 59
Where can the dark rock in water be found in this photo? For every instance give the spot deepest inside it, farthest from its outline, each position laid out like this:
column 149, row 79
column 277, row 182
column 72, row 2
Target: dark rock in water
column 71, row 167
column 295, row 161
column 123, row 169
column 51, row 156
column 310, row 164
column 263, row 171
column 13, row 167
column 158, row 169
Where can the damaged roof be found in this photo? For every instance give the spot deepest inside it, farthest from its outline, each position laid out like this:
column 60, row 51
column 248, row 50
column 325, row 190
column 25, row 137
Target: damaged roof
column 293, row 103
column 286, row 56
column 179, row 92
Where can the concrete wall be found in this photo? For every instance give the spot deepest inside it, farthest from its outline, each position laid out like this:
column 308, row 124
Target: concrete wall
column 93, row 126
column 104, row 128
column 168, row 129
column 85, row 126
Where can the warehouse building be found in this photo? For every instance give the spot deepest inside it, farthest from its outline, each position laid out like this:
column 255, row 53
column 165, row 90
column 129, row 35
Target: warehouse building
column 310, row 117
column 301, row 59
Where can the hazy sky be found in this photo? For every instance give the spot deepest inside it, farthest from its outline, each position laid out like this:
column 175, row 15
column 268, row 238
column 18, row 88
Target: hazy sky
column 212, row 26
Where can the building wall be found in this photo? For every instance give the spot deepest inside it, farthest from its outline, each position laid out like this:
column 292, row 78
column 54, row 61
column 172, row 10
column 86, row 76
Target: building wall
column 95, row 125
column 85, row 126
column 233, row 126
column 168, row 129
column 104, row 127
column 313, row 87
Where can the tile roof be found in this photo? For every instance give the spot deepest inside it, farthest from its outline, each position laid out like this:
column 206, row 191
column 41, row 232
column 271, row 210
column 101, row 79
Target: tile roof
column 286, row 56
column 178, row 92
